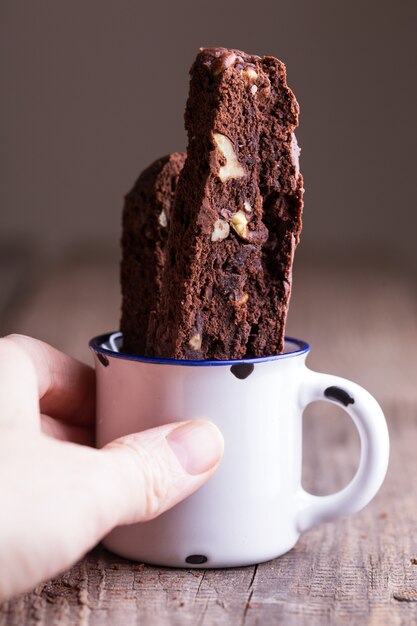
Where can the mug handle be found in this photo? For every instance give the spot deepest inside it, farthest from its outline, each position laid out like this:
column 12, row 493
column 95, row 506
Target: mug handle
column 369, row 419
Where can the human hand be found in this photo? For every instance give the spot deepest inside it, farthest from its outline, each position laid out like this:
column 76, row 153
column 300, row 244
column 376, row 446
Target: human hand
column 58, row 495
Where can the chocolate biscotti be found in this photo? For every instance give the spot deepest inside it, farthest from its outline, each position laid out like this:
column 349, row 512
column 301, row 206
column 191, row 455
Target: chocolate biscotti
column 146, row 216
column 236, row 219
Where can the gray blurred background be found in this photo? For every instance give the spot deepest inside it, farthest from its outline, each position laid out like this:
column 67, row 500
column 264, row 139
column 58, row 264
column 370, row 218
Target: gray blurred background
column 93, row 91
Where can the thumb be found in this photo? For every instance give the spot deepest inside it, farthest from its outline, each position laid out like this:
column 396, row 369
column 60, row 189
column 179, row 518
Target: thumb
column 157, row 468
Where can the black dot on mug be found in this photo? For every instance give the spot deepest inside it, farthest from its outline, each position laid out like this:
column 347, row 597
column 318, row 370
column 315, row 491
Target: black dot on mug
column 242, row 370
column 339, row 395
column 103, row 359
column 196, row 559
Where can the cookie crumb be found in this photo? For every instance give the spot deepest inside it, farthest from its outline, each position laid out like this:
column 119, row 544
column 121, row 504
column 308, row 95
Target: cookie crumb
column 406, row 595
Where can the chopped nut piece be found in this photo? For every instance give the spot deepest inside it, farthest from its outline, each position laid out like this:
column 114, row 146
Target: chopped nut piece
column 295, row 154
column 247, row 206
column 195, row 342
column 221, row 230
column 253, row 89
column 232, row 167
column 162, row 219
column 242, row 299
column 223, row 63
column 240, row 223
column 250, row 74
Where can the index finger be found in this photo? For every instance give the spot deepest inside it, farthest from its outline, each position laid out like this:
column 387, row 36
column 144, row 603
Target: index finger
column 66, row 387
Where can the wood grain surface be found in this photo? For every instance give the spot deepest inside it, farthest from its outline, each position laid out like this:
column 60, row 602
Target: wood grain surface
column 362, row 323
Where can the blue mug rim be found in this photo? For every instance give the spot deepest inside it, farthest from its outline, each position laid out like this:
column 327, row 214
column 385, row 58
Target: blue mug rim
column 96, row 345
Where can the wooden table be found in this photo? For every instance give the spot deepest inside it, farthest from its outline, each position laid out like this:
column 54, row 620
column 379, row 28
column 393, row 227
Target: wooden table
column 362, row 323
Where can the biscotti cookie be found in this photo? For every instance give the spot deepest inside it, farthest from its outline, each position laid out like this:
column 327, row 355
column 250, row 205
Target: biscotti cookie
column 236, row 219
column 146, row 216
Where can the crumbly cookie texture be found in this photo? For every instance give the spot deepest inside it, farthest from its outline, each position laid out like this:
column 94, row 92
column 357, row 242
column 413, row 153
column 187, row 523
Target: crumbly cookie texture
column 146, row 217
column 236, row 219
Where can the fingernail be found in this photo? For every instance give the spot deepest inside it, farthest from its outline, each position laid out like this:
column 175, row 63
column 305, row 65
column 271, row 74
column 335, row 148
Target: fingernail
column 198, row 445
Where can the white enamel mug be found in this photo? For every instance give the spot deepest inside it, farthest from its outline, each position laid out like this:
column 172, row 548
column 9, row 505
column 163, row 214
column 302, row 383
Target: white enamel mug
column 254, row 508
